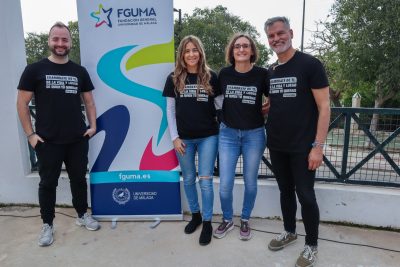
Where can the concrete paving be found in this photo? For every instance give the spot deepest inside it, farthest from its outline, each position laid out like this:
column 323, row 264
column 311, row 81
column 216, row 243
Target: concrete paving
column 136, row 244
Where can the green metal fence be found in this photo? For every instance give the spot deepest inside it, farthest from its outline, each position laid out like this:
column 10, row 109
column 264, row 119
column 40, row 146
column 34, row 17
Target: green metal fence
column 363, row 147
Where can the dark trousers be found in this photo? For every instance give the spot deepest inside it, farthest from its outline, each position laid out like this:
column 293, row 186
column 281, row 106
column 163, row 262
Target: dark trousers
column 293, row 177
column 50, row 160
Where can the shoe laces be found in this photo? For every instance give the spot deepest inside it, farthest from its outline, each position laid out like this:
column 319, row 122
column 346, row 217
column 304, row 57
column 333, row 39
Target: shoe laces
column 87, row 218
column 308, row 253
column 223, row 225
column 46, row 227
column 244, row 226
column 282, row 236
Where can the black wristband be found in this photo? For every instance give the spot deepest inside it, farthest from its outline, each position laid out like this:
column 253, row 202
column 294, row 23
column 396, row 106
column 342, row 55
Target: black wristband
column 30, row 135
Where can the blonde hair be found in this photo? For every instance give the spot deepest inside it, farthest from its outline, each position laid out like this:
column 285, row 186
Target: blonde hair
column 203, row 70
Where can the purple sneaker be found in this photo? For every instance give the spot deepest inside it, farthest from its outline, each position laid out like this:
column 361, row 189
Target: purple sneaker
column 245, row 231
column 223, row 229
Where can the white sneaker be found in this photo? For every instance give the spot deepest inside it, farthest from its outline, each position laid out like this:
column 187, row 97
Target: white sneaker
column 88, row 221
column 46, row 235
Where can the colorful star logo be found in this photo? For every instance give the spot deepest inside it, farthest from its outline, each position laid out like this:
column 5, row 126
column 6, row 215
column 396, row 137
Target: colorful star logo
column 102, row 16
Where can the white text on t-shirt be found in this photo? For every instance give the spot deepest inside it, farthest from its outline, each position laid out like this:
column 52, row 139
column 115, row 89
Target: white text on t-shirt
column 191, row 91
column 60, row 82
column 246, row 93
column 285, row 86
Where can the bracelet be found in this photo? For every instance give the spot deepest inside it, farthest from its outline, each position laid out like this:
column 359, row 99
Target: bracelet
column 30, row 135
column 317, row 144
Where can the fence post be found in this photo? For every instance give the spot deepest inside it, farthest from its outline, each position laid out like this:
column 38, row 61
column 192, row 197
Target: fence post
column 355, row 103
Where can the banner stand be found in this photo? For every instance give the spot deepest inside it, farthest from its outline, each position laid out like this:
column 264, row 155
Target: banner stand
column 128, row 49
column 112, row 218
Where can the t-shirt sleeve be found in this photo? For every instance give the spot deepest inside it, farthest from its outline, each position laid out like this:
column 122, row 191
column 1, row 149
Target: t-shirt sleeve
column 220, row 81
column 215, row 85
column 266, row 93
column 87, row 84
column 318, row 77
column 169, row 87
column 27, row 82
column 266, row 83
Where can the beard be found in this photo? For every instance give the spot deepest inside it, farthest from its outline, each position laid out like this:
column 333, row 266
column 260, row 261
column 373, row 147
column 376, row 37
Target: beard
column 282, row 48
column 60, row 54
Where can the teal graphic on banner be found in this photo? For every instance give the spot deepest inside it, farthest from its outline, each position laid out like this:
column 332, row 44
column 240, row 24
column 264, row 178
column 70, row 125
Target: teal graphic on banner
column 128, row 49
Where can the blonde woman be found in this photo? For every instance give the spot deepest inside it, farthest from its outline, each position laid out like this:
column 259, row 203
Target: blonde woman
column 190, row 92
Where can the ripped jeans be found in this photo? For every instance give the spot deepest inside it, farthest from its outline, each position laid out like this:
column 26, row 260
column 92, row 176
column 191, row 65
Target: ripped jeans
column 206, row 149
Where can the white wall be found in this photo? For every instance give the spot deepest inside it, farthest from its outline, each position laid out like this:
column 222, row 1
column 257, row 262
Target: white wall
column 15, row 185
column 13, row 167
column 342, row 203
column 364, row 205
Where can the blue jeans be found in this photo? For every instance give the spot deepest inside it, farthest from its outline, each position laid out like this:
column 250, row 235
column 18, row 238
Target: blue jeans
column 207, row 153
column 232, row 143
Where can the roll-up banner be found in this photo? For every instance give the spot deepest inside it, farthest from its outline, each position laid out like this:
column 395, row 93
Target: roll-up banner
column 128, row 49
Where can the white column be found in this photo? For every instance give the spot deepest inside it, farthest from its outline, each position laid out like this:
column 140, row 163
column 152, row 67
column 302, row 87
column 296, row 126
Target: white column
column 14, row 160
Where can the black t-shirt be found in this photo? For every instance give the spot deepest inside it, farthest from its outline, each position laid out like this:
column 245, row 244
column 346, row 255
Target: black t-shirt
column 293, row 116
column 57, row 90
column 243, row 97
column 195, row 110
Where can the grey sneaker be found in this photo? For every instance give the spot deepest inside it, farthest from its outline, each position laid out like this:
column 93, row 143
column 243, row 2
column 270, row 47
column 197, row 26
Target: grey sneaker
column 308, row 257
column 88, row 221
column 245, row 231
column 223, row 229
column 282, row 240
column 46, row 235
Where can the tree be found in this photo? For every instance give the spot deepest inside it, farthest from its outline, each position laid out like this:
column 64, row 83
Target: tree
column 37, row 48
column 360, row 45
column 215, row 27
column 75, row 54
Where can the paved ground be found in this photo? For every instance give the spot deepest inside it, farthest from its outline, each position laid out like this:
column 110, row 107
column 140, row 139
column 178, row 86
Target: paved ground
column 136, row 244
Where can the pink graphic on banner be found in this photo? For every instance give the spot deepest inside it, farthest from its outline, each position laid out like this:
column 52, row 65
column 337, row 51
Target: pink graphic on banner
column 151, row 161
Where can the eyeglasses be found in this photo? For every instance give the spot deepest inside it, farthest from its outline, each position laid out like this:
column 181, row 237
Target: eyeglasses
column 238, row 46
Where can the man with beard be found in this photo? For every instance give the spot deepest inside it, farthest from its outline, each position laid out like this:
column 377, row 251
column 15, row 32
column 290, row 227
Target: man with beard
column 297, row 123
column 60, row 134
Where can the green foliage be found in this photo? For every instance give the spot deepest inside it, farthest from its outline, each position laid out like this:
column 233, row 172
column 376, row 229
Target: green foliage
column 361, row 49
column 75, row 55
column 37, row 48
column 215, row 27
column 364, row 89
